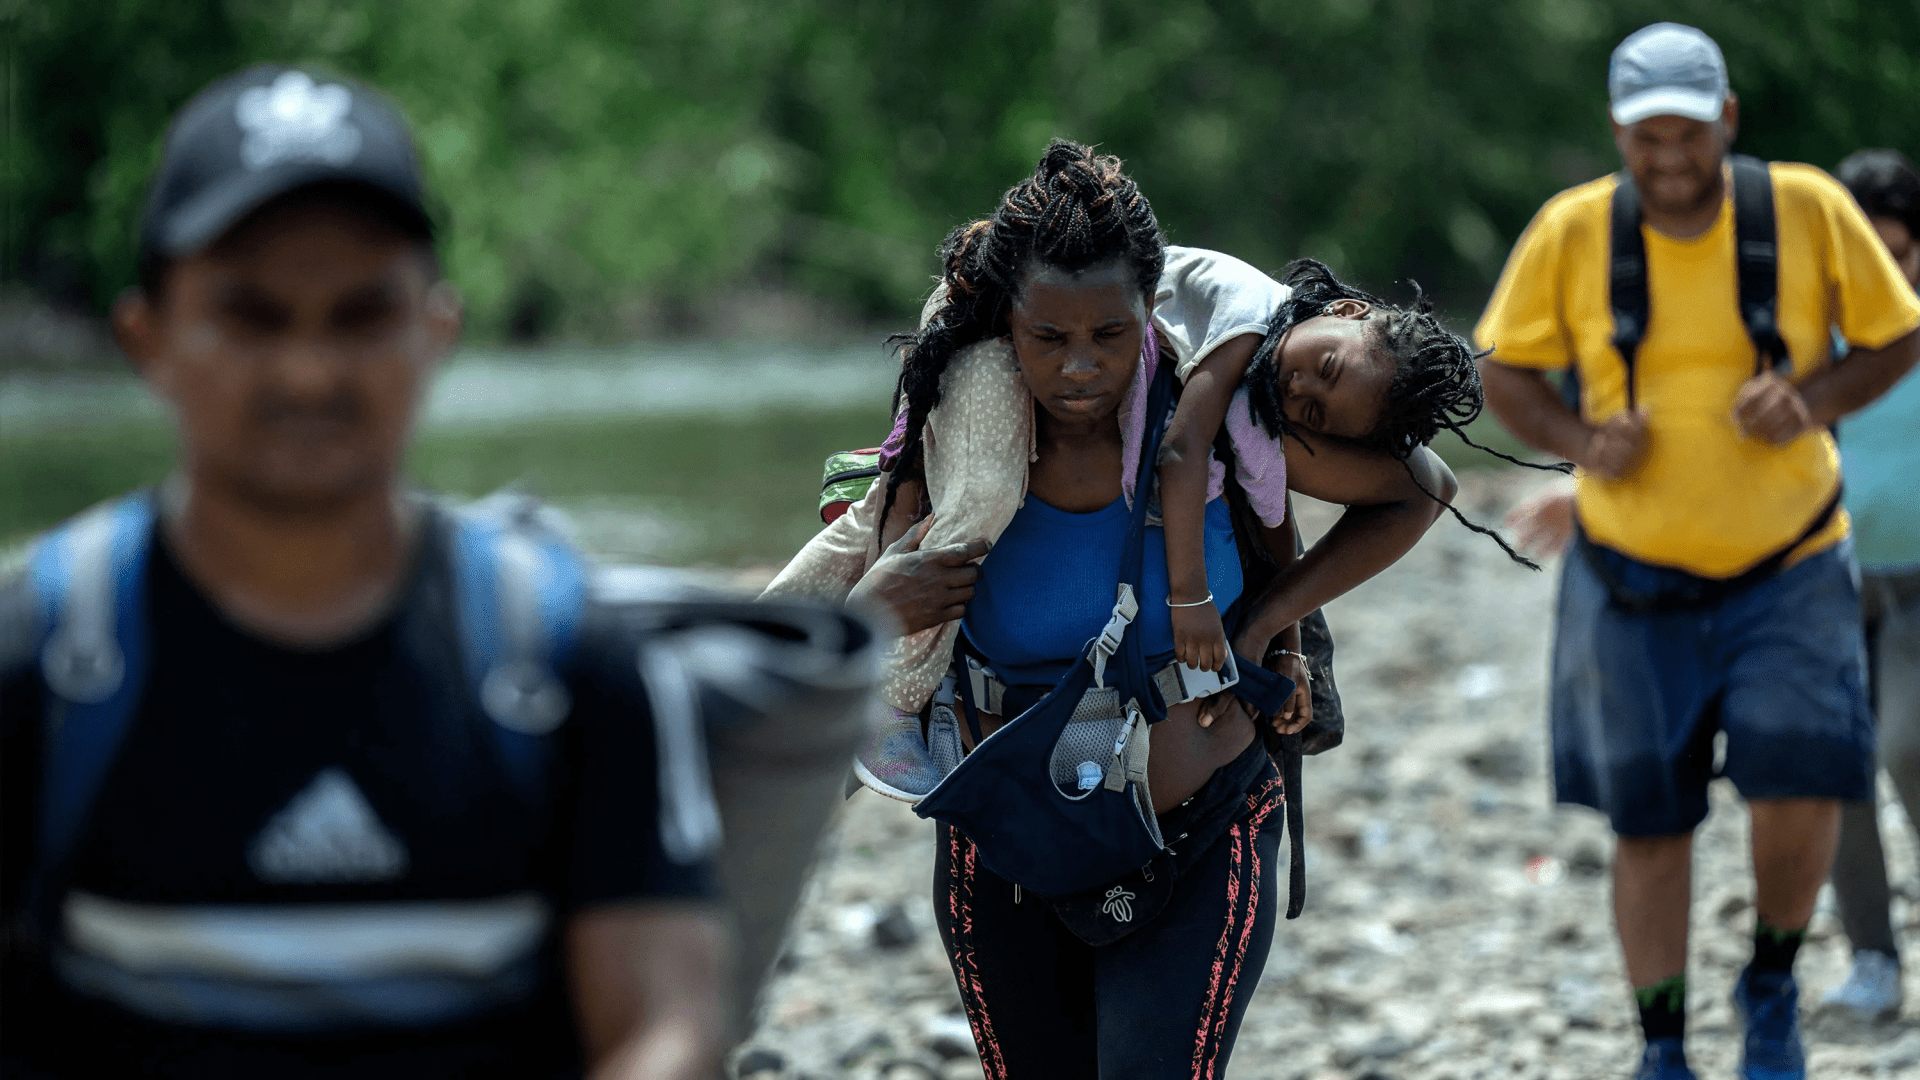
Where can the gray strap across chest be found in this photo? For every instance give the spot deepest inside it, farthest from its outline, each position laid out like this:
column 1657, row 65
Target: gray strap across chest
column 990, row 693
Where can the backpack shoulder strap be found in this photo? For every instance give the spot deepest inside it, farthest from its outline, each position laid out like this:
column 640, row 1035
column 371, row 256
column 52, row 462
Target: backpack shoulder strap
column 1626, row 276
column 521, row 591
column 1757, row 253
column 521, row 588
column 1114, row 641
column 88, row 577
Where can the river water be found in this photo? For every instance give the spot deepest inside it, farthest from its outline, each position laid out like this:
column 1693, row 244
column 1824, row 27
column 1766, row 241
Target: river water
column 690, row 454
column 490, row 386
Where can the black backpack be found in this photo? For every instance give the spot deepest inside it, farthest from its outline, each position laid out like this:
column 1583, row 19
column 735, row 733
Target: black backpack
column 1754, row 247
column 1758, row 265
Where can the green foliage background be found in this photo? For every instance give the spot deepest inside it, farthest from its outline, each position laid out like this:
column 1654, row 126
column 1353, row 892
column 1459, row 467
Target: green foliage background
column 612, row 163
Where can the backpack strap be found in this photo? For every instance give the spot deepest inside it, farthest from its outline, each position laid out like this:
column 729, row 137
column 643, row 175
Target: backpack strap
column 89, row 578
column 1758, row 255
column 1626, row 276
column 521, row 592
column 1115, row 645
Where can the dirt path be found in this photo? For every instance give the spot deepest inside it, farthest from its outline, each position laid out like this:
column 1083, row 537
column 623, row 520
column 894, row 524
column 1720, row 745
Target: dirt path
column 1457, row 925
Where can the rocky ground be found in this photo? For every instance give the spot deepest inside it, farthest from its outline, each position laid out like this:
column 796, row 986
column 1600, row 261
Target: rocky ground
column 1457, row 925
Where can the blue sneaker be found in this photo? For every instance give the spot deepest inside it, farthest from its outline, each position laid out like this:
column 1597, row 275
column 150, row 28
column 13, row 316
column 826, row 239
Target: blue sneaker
column 1664, row 1060
column 1769, row 1006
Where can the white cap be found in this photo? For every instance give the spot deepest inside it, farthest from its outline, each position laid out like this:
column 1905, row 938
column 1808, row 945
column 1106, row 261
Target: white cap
column 1667, row 70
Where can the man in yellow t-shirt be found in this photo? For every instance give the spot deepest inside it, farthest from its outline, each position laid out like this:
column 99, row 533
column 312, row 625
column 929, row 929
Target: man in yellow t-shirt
column 1711, row 590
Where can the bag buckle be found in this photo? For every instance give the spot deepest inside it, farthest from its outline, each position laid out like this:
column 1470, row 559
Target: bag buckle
column 1122, row 768
column 1125, row 607
column 989, row 693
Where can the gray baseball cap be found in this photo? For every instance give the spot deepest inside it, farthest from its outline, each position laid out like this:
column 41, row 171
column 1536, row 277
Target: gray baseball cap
column 1667, row 70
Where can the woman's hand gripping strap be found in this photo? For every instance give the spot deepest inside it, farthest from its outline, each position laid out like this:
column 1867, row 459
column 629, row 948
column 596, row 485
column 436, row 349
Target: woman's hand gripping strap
column 1266, row 691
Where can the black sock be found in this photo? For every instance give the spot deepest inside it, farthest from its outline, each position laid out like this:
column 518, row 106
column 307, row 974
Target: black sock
column 1774, row 948
column 1663, row 1008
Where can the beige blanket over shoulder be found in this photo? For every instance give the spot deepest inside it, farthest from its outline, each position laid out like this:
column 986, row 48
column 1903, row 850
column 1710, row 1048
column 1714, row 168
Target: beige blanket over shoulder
column 979, row 441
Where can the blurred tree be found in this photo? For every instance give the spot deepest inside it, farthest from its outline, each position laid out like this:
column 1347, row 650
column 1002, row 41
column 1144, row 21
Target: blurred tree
column 587, row 155
column 606, row 164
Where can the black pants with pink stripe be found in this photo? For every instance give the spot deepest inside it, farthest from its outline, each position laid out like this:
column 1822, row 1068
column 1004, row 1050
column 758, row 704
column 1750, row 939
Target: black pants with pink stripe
column 1163, row 1002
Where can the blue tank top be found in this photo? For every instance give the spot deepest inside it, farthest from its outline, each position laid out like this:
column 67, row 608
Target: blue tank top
column 1047, row 587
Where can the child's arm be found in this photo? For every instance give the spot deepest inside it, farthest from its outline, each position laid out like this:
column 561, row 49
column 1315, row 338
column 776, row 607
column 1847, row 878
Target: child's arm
column 1199, row 639
column 1387, row 513
column 1282, row 545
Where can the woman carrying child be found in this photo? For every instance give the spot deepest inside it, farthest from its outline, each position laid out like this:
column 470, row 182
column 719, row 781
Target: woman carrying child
column 1027, row 417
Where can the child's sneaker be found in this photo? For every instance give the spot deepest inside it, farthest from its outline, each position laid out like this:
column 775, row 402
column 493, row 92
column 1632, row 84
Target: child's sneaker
column 1769, row 1006
column 898, row 761
column 1664, row 1059
column 1872, row 989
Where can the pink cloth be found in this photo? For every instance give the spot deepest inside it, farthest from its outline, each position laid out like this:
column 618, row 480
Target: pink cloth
column 1261, row 462
column 1133, row 412
column 1262, row 465
column 896, row 442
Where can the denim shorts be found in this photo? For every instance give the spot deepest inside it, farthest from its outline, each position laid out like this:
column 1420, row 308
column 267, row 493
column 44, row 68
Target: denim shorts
column 1779, row 667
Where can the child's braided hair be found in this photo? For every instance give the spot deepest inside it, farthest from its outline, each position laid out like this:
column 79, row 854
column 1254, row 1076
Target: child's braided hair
column 1435, row 385
column 1076, row 211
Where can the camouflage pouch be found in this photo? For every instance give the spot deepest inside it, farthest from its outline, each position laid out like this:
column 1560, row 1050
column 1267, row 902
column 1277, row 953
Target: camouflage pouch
column 848, row 476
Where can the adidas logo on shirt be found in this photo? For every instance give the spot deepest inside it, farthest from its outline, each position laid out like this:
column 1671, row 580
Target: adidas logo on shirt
column 327, row 834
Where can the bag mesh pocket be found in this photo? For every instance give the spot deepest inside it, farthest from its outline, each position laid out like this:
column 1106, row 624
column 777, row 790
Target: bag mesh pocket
column 1085, row 746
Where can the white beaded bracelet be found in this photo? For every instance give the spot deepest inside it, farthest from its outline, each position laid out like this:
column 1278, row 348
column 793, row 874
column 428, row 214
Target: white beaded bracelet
column 1306, row 668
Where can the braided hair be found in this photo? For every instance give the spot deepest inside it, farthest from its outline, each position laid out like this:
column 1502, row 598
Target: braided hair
column 1435, row 384
column 1076, row 211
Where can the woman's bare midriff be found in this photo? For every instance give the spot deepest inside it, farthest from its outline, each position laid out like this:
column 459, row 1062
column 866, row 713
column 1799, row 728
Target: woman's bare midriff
column 1181, row 754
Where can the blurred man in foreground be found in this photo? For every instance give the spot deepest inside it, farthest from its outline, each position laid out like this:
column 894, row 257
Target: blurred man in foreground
column 1711, row 590
column 304, row 774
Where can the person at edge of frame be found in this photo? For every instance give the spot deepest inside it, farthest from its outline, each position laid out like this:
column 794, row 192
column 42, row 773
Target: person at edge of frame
column 307, row 857
column 1714, row 470
column 1880, row 458
column 1880, row 455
